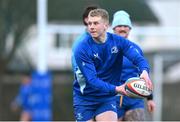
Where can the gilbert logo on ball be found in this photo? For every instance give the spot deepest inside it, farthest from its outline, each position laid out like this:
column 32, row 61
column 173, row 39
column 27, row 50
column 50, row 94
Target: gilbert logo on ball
column 136, row 87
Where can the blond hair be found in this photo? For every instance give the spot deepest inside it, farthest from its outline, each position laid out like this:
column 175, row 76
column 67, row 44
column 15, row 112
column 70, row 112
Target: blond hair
column 100, row 13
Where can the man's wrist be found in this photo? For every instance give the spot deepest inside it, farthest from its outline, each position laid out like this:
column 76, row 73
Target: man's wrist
column 150, row 97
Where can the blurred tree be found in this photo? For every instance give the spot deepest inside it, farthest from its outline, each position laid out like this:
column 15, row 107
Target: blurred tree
column 68, row 10
column 15, row 17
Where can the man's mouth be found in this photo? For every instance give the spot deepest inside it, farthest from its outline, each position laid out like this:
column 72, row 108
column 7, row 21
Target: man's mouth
column 122, row 31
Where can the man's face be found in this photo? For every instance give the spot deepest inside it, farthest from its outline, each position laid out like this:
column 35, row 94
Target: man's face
column 97, row 27
column 122, row 31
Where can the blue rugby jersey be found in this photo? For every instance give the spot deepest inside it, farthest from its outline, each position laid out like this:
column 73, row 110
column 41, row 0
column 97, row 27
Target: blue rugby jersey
column 22, row 98
column 99, row 66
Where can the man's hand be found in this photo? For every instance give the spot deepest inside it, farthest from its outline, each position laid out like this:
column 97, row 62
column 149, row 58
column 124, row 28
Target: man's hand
column 151, row 106
column 144, row 75
column 121, row 89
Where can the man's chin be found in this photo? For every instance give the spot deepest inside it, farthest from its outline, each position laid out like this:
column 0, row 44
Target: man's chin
column 94, row 35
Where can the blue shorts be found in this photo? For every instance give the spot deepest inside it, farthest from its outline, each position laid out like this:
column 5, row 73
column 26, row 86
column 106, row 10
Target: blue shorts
column 128, row 104
column 87, row 112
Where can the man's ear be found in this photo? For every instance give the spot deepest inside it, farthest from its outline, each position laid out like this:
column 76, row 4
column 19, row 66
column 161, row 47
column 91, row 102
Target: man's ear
column 106, row 26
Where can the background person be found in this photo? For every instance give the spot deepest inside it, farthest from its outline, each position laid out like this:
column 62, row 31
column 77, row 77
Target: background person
column 21, row 101
column 129, row 109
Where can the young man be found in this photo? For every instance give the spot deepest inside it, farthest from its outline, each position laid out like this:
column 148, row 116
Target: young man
column 99, row 61
column 129, row 109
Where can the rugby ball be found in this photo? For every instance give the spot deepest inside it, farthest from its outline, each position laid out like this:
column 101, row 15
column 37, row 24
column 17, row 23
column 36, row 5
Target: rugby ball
column 136, row 88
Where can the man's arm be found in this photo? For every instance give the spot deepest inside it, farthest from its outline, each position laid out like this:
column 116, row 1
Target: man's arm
column 137, row 58
column 151, row 104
